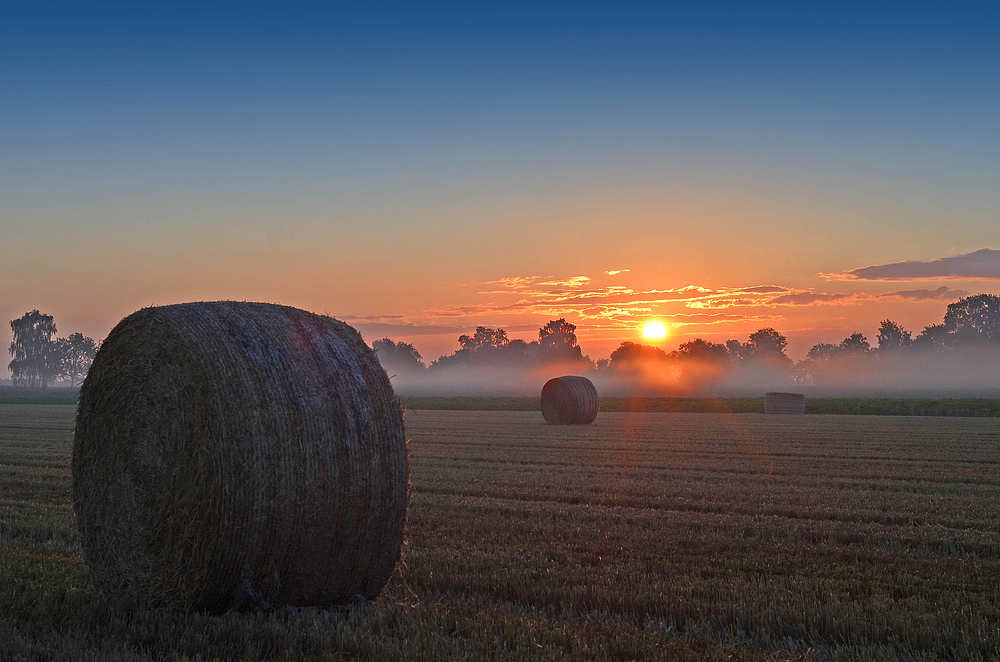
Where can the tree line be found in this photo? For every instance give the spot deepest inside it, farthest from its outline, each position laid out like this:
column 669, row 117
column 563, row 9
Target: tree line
column 973, row 322
column 970, row 322
column 970, row 328
column 39, row 358
column 490, row 347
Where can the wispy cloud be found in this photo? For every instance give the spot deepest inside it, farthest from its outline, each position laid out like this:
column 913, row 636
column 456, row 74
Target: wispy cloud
column 764, row 289
column 575, row 281
column 734, row 297
column 982, row 264
column 516, row 282
column 816, row 299
column 622, row 306
column 618, row 305
column 940, row 294
column 615, row 272
column 682, row 319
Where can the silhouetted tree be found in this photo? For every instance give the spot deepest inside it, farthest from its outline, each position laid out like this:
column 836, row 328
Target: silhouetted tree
column 818, row 364
column 933, row 337
column 735, row 349
column 488, row 346
column 398, row 357
column 974, row 319
column 766, row 343
column 73, row 356
column 700, row 362
column 34, row 364
column 627, row 352
column 827, row 364
column 855, row 343
column 892, row 337
column 518, row 352
column 557, row 342
column 823, row 351
column 484, row 338
column 701, row 350
column 630, row 354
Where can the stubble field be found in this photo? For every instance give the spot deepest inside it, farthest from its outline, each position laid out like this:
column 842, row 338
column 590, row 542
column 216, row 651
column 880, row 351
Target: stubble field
column 643, row 536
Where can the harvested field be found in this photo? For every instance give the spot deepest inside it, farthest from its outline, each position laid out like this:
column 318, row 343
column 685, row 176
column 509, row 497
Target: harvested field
column 962, row 407
column 642, row 536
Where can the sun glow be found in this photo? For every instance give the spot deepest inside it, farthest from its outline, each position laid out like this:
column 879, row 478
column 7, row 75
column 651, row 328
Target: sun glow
column 654, row 330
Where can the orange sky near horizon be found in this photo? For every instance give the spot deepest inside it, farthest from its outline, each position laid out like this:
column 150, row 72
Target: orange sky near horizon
column 391, row 298
column 704, row 267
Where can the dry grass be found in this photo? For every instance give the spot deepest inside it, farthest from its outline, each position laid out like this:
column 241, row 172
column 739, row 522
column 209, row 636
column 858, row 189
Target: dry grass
column 643, row 536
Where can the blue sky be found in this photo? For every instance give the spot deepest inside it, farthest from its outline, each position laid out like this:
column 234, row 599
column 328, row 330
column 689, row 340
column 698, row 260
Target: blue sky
column 384, row 162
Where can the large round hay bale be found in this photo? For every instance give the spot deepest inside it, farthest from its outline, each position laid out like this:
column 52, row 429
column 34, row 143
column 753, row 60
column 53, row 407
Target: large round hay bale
column 569, row 400
column 784, row 403
column 235, row 455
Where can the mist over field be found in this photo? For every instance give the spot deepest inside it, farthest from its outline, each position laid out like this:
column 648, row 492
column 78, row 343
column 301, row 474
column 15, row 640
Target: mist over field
column 967, row 373
column 959, row 357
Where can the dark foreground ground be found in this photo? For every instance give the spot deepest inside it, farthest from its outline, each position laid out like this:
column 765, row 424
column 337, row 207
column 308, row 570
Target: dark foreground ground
column 644, row 536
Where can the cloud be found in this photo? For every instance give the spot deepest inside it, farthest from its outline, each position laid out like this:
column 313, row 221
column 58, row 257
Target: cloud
column 765, row 289
column 685, row 319
column 615, row 272
column 940, row 294
column 621, row 305
column 575, row 281
column 733, row 297
column 981, row 264
column 515, row 282
column 815, row 299
column 579, row 299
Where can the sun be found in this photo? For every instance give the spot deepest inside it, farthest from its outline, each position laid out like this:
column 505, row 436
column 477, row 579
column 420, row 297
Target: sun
column 654, row 330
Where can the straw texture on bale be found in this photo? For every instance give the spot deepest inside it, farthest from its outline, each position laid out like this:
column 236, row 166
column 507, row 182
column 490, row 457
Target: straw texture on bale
column 784, row 403
column 238, row 455
column 569, row 400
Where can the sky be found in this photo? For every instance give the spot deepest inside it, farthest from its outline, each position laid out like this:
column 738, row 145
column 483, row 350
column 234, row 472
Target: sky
column 418, row 169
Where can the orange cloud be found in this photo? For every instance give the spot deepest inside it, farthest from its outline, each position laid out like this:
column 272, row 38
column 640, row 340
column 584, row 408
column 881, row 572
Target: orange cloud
column 575, row 281
column 516, row 282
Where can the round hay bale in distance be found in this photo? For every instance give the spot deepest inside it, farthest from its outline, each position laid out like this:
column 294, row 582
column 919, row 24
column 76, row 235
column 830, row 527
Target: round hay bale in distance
column 237, row 455
column 569, row 400
column 784, row 403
